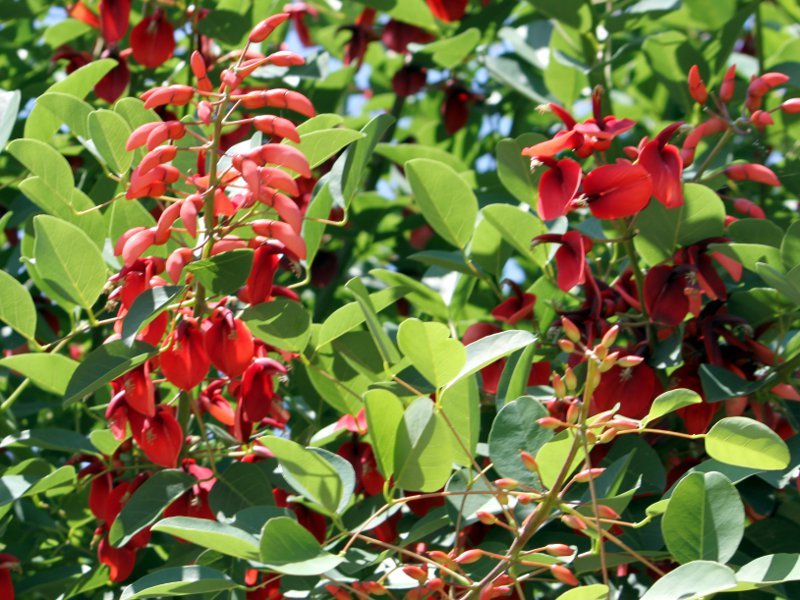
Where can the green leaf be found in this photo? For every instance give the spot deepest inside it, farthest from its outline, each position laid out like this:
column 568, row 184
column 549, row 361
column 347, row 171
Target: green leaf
column 179, row 581
column 41, row 124
column 721, row 384
column 104, row 441
column 384, row 413
column 514, row 170
column 461, row 404
column 289, row 548
column 385, row 345
column 661, row 230
column 282, row 322
column 308, row 473
column 744, row 442
column 222, row 538
column 431, row 350
column 417, row 293
column 70, row 110
column 449, row 52
column 239, row 487
column 704, row 519
column 350, row 316
column 514, row 379
column 446, row 201
column 104, row 364
column 402, row 153
column 779, row 281
column 790, row 246
column 9, row 107
column 423, row 452
column 16, row 306
column 146, row 504
column 49, row 372
column 768, row 571
column 64, row 32
column 68, row 260
column 517, row 228
column 147, row 306
column 513, row 71
column 16, row 486
column 750, row 254
column 319, row 208
column 692, row 581
column 49, row 438
column 223, row 273
column 515, row 429
column 43, row 160
column 670, row 402
column 318, row 146
column 553, row 456
column 595, row 591
column 110, row 133
column 491, row 348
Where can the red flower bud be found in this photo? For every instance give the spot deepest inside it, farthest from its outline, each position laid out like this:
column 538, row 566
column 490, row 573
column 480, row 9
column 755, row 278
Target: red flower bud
column 697, row 89
column 564, row 575
column 752, row 172
column 791, row 107
column 728, row 85
column 263, row 30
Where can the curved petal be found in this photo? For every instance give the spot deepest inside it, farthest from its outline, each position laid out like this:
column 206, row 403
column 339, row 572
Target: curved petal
column 618, row 190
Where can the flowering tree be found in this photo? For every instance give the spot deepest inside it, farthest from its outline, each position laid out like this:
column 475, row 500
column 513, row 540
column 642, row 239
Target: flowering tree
column 404, row 298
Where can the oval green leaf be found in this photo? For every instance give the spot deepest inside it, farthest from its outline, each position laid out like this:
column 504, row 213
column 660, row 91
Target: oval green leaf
column 744, row 442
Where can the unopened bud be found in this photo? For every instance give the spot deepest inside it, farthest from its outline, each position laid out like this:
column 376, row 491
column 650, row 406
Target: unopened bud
column 469, row 557
column 600, row 351
column 622, row 424
column 559, row 550
column 630, row 361
column 564, row 575
column 441, row 558
column 608, row 435
column 610, row 337
column 573, row 522
column 587, row 474
column 529, row 461
column 609, row 362
column 570, row 379
column 573, row 412
column 416, row 573
column 572, row 331
column 558, row 386
column 606, row 512
column 591, row 438
column 506, row 483
column 435, row 585
column 526, row 498
column 566, row 345
column 486, row 518
column 550, row 422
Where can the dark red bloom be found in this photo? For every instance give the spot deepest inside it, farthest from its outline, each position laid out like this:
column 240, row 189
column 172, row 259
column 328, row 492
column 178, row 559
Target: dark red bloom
column 113, row 84
column 99, row 493
column 361, row 34
column 490, row 374
column 570, row 257
column 360, row 455
column 422, row 506
column 455, row 108
column 664, row 164
column 665, row 295
column 229, row 343
column 114, row 19
column 194, row 501
column 258, row 391
column 616, row 191
column 558, row 186
column 161, row 438
column 409, row 80
column 153, row 40
column 634, row 388
column 448, row 10
column 185, row 363
column 298, row 12
column 515, row 309
column 398, row 35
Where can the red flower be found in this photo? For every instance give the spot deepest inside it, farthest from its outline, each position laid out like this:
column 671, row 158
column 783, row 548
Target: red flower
column 258, row 287
column 7, row 562
column 515, row 309
column 752, row 172
column 160, row 438
column 360, row 455
column 120, row 561
column 563, row 140
column 409, row 80
column 665, row 294
column 298, row 12
column 448, row 10
column 616, row 191
column 185, row 363
column 697, row 89
column 664, row 164
column 361, row 34
column 258, row 390
column 557, row 187
column 570, row 257
column 153, row 40
column 114, row 19
column 139, row 390
column 634, row 388
column 229, row 343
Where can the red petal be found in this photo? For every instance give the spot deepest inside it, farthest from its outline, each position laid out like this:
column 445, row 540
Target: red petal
column 152, row 41
column 571, row 261
column 664, row 295
column 161, row 438
column 618, row 190
column 561, row 141
column 557, row 187
column 114, row 19
column 665, row 167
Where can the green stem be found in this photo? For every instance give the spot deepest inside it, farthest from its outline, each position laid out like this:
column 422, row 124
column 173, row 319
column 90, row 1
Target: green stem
column 713, row 154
